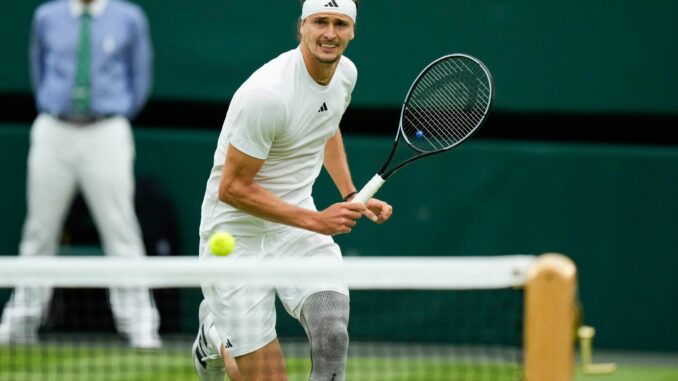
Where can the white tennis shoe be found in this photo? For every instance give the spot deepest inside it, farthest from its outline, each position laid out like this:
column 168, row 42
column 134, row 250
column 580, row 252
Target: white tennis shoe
column 9, row 336
column 207, row 359
column 147, row 342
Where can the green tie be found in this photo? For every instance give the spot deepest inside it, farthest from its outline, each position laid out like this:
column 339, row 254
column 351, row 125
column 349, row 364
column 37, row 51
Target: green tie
column 81, row 92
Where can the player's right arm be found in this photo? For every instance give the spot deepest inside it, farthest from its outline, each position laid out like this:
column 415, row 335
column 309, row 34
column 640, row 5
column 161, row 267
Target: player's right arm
column 238, row 189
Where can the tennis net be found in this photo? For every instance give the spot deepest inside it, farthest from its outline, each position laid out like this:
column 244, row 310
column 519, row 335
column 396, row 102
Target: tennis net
column 428, row 319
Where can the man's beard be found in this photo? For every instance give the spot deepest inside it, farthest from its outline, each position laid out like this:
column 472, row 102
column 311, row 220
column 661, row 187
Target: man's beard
column 326, row 60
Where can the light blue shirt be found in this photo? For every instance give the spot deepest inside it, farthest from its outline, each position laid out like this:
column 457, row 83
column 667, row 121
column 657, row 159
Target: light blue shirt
column 121, row 60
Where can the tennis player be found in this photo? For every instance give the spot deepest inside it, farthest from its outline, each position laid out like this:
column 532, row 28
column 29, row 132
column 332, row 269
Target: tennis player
column 282, row 126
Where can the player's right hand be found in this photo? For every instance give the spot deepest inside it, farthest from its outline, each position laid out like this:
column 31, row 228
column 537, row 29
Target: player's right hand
column 338, row 218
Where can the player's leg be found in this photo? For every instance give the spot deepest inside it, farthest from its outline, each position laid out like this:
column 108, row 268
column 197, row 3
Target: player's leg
column 264, row 364
column 107, row 179
column 244, row 318
column 211, row 360
column 324, row 316
column 50, row 190
column 230, row 364
column 322, row 309
column 250, row 314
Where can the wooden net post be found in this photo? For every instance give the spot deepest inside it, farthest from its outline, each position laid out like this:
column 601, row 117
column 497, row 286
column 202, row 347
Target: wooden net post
column 550, row 311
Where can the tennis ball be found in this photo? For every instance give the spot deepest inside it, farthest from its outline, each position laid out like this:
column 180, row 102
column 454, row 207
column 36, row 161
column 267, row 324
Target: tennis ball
column 221, row 243
column 419, row 134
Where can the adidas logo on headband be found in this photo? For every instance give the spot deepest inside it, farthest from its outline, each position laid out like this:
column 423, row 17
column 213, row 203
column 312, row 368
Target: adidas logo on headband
column 347, row 7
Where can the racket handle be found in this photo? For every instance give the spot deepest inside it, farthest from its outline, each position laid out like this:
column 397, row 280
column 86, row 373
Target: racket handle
column 369, row 189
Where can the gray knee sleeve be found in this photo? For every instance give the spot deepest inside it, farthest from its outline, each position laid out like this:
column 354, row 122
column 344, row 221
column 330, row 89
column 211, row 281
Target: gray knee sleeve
column 324, row 316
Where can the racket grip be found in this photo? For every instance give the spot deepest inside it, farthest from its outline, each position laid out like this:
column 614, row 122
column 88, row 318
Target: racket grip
column 369, row 189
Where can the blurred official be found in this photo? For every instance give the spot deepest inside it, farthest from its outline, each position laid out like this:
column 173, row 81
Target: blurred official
column 91, row 72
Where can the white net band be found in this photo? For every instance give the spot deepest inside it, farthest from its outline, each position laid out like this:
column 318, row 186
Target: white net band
column 355, row 272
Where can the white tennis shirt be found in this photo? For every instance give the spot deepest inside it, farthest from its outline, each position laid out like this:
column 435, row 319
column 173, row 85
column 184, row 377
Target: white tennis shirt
column 280, row 115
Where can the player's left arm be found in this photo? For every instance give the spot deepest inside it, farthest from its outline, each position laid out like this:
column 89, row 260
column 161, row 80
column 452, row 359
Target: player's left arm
column 336, row 164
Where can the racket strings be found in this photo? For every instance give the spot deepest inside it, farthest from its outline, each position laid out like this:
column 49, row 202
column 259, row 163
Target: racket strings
column 428, row 125
column 449, row 114
column 448, row 102
column 447, row 94
column 457, row 88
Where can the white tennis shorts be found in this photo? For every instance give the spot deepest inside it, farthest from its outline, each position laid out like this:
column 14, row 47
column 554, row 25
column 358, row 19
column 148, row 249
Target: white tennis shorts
column 245, row 315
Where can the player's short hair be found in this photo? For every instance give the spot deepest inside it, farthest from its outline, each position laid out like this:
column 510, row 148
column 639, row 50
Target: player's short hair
column 357, row 3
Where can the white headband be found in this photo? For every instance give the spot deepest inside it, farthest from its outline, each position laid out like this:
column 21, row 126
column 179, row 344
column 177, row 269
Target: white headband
column 346, row 7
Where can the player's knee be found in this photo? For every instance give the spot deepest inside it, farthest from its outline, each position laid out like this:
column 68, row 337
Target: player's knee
column 325, row 318
column 335, row 340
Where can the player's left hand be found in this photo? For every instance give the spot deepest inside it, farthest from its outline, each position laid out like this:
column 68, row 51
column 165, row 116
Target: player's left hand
column 378, row 211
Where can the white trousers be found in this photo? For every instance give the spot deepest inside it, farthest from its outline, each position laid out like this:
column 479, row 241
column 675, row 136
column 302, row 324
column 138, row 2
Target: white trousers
column 96, row 159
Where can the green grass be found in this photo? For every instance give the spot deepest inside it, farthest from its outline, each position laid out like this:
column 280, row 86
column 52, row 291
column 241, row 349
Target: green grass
column 392, row 369
column 633, row 373
column 71, row 363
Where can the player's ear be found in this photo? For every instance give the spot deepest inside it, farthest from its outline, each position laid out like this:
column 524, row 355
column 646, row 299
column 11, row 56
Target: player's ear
column 301, row 26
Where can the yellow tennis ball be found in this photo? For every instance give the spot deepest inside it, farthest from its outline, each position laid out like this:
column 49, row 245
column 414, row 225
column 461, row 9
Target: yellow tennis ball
column 221, row 243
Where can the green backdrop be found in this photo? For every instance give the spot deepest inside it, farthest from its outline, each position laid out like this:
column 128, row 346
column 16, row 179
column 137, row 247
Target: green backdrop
column 558, row 55
column 611, row 208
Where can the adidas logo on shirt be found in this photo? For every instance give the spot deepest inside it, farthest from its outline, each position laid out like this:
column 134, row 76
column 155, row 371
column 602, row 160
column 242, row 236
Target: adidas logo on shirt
column 323, row 107
column 332, row 4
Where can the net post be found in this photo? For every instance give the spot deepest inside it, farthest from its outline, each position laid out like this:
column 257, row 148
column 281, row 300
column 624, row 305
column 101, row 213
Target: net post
column 550, row 311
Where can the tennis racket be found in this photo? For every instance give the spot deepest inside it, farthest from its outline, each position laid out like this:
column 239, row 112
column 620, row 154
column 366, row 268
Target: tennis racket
column 448, row 101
